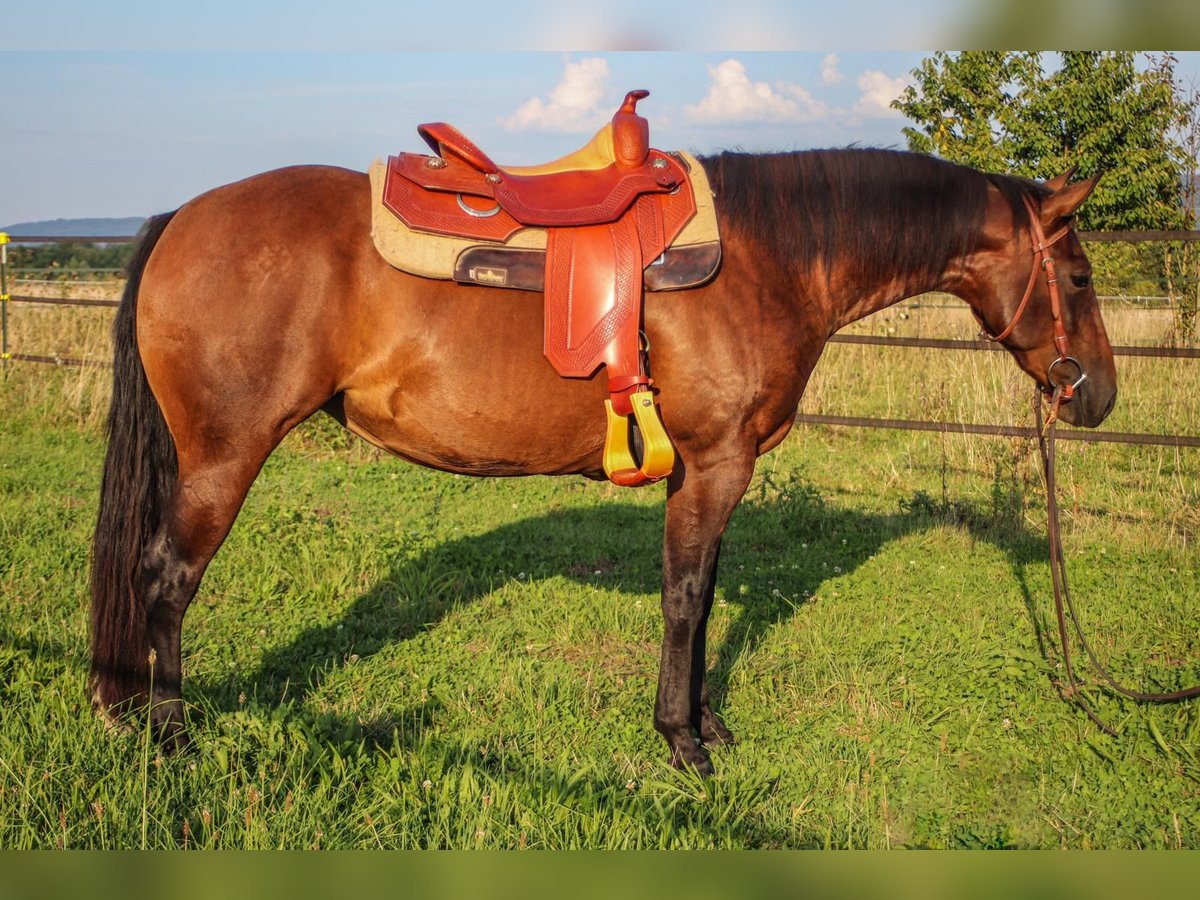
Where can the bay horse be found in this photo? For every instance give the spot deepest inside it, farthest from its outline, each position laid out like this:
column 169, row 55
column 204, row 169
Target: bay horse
column 259, row 303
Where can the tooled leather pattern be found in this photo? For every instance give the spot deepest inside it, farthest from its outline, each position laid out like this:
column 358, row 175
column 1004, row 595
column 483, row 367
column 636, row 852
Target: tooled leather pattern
column 570, row 301
column 438, row 212
column 631, row 139
column 445, row 175
column 537, row 203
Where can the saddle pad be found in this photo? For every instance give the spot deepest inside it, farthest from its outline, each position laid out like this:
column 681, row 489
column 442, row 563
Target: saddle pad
column 436, row 256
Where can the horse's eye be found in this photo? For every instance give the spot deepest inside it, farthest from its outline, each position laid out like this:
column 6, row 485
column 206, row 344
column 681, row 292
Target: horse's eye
column 1081, row 281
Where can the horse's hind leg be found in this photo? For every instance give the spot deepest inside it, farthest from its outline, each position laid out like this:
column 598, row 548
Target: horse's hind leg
column 205, row 502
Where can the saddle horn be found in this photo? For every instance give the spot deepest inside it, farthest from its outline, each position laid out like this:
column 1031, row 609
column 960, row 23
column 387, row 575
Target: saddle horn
column 631, row 132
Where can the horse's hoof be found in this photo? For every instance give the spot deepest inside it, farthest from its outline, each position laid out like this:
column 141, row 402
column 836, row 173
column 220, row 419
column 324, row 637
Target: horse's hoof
column 170, row 731
column 692, row 756
column 172, row 737
column 114, row 716
column 713, row 732
column 112, row 721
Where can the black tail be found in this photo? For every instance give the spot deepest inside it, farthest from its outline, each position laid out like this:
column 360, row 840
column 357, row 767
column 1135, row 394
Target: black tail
column 139, row 475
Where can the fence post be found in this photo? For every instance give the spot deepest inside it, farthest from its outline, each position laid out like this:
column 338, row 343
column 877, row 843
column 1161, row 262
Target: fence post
column 4, row 354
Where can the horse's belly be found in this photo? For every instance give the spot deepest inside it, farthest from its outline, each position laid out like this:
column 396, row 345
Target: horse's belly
column 469, row 435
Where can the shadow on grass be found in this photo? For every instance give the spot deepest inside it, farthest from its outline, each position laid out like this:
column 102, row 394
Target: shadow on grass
column 763, row 564
column 617, row 546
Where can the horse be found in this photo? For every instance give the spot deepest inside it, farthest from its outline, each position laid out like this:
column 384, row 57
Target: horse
column 260, row 303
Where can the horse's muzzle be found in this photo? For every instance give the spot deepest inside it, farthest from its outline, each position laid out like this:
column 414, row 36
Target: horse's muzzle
column 1090, row 406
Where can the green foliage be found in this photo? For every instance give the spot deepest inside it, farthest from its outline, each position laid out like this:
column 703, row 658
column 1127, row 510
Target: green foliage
column 64, row 260
column 1008, row 111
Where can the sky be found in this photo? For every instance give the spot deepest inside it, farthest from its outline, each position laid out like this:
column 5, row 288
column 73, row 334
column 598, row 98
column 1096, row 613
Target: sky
column 132, row 133
column 178, row 101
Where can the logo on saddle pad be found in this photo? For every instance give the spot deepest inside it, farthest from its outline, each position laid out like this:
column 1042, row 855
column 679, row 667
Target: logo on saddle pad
column 488, row 276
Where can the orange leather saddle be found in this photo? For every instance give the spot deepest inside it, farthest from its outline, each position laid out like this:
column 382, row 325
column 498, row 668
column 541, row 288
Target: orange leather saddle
column 610, row 209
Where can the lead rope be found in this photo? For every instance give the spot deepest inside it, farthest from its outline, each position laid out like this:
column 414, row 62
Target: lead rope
column 1064, row 606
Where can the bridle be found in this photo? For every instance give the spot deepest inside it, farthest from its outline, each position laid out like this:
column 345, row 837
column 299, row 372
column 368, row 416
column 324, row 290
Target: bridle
column 1059, row 394
column 1044, row 262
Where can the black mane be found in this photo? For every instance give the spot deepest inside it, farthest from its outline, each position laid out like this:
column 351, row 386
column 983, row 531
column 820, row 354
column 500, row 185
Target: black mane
column 895, row 213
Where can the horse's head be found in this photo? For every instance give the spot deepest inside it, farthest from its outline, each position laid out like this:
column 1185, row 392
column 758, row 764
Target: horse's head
column 1030, row 286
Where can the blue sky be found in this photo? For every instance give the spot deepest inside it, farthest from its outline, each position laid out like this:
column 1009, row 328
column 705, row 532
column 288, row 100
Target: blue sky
column 133, row 132
column 479, row 25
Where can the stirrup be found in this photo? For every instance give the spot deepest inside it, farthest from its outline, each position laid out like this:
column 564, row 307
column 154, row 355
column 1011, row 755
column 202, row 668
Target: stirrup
column 658, row 456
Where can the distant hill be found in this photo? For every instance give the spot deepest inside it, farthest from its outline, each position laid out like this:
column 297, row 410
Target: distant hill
column 77, row 227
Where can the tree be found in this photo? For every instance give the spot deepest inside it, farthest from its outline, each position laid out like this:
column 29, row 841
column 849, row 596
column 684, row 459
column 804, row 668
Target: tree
column 72, row 257
column 1003, row 111
column 1183, row 278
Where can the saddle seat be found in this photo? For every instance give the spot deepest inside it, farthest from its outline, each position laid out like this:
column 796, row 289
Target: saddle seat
column 609, row 209
column 593, row 185
column 597, row 153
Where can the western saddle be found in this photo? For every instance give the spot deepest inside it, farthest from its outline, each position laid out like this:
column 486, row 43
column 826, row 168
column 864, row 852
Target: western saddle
column 609, row 209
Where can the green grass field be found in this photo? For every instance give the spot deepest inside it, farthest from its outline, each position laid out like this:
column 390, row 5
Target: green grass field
column 384, row 656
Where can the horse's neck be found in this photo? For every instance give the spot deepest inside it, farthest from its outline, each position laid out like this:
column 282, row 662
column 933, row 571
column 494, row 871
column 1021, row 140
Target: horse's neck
column 853, row 291
column 851, row 299
column 861, row 301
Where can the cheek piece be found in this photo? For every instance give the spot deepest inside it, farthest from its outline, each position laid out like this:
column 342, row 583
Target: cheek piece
column 1043, row 261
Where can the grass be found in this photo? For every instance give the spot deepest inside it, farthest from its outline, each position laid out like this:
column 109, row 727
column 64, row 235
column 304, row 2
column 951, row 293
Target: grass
column 384, row 656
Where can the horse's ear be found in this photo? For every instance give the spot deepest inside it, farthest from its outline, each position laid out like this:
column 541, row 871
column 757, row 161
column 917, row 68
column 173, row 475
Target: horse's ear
column 1060, row 182
column 1065, row 200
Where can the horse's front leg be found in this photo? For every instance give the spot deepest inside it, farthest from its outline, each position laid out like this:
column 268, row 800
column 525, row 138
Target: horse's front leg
column 707, row 723
column 700, row 498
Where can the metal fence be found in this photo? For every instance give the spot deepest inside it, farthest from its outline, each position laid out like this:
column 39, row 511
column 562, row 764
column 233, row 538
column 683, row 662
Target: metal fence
column 1092, row 436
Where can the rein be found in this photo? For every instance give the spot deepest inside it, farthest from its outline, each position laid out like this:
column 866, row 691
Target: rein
column 1064, row 605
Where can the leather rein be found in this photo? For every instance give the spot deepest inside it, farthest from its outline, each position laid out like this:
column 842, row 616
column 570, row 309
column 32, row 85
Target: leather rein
column 1059, row 394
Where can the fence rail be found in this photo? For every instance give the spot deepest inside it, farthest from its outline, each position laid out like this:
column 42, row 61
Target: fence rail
column 950, row 344
column 58, row 360
column 1134, row 237
column 71, row 239
column 943, row 343
column 1072, row 434
column 62, row 301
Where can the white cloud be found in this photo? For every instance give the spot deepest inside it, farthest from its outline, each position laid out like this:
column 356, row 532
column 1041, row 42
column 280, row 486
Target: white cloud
column 733, row 97
column 878, row 92
column 573, row 105
column 830, row 74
